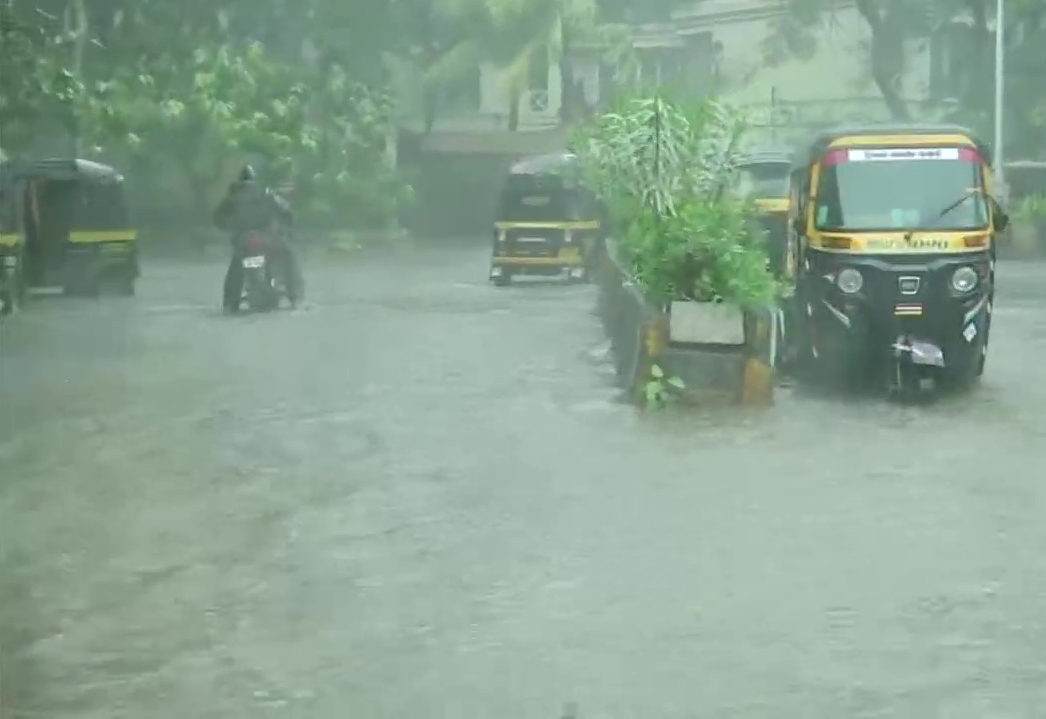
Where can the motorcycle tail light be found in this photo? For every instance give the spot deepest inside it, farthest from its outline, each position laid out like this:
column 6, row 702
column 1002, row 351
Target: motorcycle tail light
column 254, row 241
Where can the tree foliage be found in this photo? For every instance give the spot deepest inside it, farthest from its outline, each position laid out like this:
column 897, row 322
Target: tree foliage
column 190, row 88
column 191, row 91
column 664, row 171
column 36, row 86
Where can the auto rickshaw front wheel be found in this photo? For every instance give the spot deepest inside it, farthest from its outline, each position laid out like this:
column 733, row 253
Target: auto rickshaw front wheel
column 8, row 301
column 125, row 285
column 12, row 295
column 581, row 275
column 82, row 288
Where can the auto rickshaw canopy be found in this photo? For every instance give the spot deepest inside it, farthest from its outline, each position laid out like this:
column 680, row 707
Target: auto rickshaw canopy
column 548, row 163
column 815, row 149
column 769, row 156
column 62, row 169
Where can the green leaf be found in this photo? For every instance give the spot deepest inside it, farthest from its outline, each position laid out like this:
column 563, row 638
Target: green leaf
column 653, row 393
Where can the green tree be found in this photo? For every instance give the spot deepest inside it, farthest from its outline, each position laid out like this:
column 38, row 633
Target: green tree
column 186, row 90
column 21, row 95
column 36, row 87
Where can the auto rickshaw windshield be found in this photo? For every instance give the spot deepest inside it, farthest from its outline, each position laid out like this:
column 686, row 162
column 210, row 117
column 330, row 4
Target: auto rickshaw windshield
column 762, row 180
column 903, row 188
column 541, row 198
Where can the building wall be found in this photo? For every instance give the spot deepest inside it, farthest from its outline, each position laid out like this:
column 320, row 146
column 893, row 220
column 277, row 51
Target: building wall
column 837, row 69
column 721, row 50
column 538, row 109
column 787, row 101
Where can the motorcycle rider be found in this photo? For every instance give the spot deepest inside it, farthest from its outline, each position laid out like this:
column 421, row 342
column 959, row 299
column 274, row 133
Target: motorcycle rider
column 248, row 207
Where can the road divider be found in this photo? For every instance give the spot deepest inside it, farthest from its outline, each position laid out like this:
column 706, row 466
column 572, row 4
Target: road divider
column 697, row 352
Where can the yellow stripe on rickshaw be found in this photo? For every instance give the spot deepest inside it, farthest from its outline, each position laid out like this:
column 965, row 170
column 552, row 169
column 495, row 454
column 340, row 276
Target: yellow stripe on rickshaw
column 539, row 261
column 893, row 242
column 767, row 204
column 80, row 237
column 583, row 225
column 902, row 140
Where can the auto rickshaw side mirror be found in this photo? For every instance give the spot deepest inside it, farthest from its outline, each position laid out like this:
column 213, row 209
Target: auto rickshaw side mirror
column 1000, row 219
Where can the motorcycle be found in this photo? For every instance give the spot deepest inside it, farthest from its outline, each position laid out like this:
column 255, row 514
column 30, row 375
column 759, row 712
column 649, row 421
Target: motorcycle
column 264, row 283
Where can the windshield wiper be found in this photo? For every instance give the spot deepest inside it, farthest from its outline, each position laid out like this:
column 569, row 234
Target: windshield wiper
column 946, row 211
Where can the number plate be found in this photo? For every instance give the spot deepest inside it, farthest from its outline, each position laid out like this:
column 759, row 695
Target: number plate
column 254, row 262
column 10, row 261
column 569, row 253
column 531, row 240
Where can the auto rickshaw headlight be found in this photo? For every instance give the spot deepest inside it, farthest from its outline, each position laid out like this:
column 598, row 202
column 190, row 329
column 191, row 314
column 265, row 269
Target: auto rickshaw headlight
column 965, row 279
column 849, row 281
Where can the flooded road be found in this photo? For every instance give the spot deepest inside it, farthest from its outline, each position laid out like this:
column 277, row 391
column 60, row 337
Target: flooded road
column 417, row 497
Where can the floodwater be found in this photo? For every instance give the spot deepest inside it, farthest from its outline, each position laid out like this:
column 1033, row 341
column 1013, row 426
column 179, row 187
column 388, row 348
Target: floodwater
column 418, row 497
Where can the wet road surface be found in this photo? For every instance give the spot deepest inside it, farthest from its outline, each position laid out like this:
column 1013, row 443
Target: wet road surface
column 417, row 497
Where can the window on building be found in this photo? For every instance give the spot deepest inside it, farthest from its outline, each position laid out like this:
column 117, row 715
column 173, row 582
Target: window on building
column 538, row 70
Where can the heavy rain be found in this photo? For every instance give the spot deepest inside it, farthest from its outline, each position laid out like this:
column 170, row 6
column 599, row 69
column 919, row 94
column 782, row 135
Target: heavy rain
column 287, row 428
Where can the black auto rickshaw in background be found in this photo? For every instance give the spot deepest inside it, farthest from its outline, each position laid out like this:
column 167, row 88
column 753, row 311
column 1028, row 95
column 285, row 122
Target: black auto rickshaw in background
column 894, row 228
column 763, row 178
column 68, row 223
column 548, row 222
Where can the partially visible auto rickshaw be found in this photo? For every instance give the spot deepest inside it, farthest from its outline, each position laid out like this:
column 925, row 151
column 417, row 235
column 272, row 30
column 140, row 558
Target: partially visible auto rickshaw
column 894, row 230
column 548, row 222
column 1026, row 180
column 763, row 177
column 68, row 226
column 12, row 288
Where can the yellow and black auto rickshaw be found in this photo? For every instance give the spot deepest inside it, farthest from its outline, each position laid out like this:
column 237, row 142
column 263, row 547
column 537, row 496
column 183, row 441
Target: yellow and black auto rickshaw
column 548, row 222
column 763, row 178
column 893, row 229
column 12, row 288
column 66, row 224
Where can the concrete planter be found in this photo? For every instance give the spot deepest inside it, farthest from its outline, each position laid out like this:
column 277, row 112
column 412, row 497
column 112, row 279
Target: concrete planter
column 721, row 353
column 706, row 323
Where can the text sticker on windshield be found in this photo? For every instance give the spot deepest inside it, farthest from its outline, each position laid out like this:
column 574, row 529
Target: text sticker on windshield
column 904, row 153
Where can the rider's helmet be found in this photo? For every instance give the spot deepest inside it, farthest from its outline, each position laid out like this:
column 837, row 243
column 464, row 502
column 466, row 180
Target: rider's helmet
column 247, row 174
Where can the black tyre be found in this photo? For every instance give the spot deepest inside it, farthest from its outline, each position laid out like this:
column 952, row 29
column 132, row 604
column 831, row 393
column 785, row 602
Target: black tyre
column 261, row 296
column 82, row 287
column 128, row 277
column 983, row 359
column 13, row 294
column 988, row 323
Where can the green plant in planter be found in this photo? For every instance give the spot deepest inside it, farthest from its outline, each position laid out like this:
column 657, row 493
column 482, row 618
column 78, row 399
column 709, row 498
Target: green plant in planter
column 659, row 390
column 664, row 170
